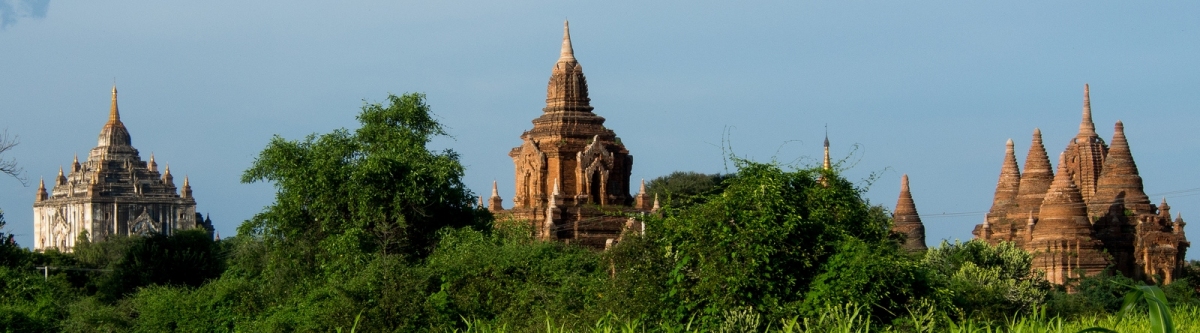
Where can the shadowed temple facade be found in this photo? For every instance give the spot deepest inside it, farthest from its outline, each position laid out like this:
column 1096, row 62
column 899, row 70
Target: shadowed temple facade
column 1088, row 213
column 113, row 192
column 572, row 173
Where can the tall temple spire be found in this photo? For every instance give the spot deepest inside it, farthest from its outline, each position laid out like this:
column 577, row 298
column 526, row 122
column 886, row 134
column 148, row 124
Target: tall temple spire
column 906, row 220
column 1008, row 187
column 567, row 90
column 113, row 114
column 568, row 53
column 1037, row 176
column 1086, row 126
column 1119, row 184
column 1086, row 152
column 826, row 164
column 114, row 132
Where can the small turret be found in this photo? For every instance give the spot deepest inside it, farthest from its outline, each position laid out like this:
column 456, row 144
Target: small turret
column 656, row 207
column 1164, row 209
column 642, row 199
column 151, row 164
column 41, row 192
column 75, row 165
column 61, row 180
column 166, row 177
column 1179, row 224
column 186, row 191
column 495, row 203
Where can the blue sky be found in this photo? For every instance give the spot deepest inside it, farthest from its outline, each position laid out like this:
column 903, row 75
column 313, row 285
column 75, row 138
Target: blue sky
column 931, row 89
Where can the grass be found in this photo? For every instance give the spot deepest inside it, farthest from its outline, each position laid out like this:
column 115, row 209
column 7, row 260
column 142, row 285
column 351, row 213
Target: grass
column 853, row 319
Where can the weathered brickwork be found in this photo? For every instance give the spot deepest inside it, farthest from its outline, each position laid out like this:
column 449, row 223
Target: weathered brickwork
column 1091, row 214
column 572, row 173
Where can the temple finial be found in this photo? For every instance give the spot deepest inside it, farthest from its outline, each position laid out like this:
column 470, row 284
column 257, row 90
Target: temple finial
column 42, row 184
column 113, row 114
column 555, row 193
column 495, row 191
column 827, row 164
column 185, row 181
column 642, row 189
column 1086, row 126
column 904, row 183
column 568, row 53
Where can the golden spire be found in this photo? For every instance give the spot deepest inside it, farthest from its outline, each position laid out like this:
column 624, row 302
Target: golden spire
column 568, row 53
column 827, row 165
column 113, row 114
column 1086, row 126
column 41, row 184
column 185, row 181
column 153, row 166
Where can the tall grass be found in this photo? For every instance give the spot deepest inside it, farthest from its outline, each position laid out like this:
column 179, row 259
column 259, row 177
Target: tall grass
column 855, row 319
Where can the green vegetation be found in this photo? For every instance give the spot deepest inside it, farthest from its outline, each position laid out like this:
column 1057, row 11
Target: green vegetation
column 372, row 231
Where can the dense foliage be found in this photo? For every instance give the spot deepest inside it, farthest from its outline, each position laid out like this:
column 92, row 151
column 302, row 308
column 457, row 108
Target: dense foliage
column 372, row 230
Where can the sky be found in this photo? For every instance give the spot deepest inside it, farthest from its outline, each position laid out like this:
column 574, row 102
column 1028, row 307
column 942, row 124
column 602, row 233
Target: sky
column 928, row 89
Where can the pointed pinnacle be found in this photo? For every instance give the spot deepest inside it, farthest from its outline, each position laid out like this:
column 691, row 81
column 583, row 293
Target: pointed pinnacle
column 642, row 190
column 1086, row 126
column 495, row 192
column 568, row 53
column 904, row 183
column 113, row 114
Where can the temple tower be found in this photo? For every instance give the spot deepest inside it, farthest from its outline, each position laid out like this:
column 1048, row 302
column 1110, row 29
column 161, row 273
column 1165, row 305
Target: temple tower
column 1062, row 238
column 113, row 193
column 570, row 143
column 569, row 148
column 1035, row 180
column 997, row 222
column 1067, row 222
column 1085, row 153
column 1119, row 184
column 905, row 219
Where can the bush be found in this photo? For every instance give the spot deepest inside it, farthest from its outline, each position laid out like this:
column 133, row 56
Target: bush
column 986, row 282
column 879, row 276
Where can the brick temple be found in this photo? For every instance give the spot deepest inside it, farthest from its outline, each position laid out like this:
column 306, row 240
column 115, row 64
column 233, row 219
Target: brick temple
column 1090, row 213
column 572, row 173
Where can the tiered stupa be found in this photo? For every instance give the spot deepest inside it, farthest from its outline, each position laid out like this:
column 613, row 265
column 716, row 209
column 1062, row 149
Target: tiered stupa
column 1093, row 213
column 114, row 192
column 1062, row 238
column 906, row 221
column 572, row 173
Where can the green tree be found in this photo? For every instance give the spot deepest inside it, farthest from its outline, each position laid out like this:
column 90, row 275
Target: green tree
column 684, row 188
column 378, row 189
column 760, row 241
